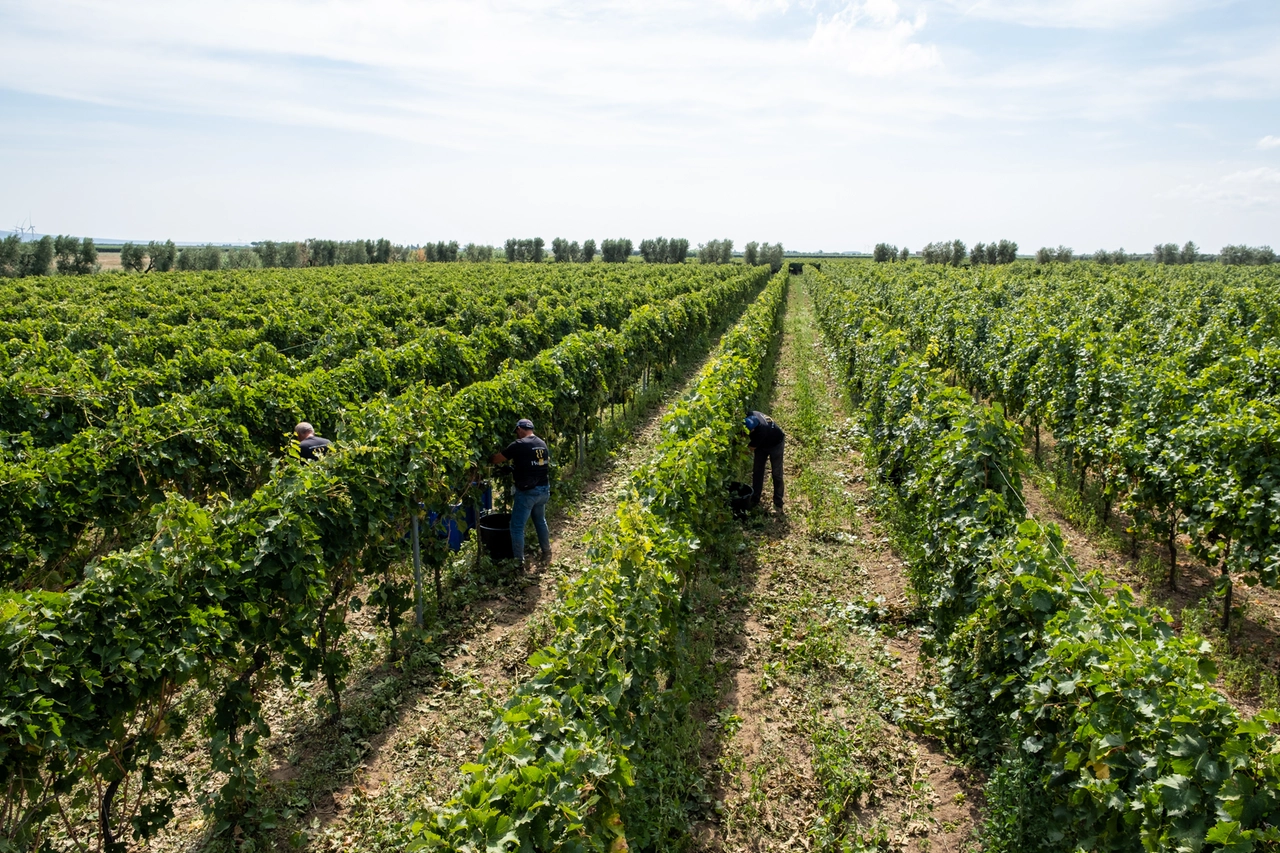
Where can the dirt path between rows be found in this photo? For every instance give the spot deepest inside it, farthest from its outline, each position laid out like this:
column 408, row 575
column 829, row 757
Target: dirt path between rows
column 803, row 745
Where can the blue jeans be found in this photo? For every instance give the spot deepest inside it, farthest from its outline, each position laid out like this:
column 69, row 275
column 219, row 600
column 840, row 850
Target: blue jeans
column 530, row 502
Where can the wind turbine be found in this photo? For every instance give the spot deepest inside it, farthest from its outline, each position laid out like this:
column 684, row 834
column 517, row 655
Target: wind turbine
column 25, row 229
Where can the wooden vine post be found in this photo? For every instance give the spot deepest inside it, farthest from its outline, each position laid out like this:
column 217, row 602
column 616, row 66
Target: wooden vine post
column 417, row 567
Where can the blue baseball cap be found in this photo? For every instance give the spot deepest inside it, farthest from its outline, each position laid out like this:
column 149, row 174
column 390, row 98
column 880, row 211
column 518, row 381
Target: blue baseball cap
column 750, row 422
column 524, row 423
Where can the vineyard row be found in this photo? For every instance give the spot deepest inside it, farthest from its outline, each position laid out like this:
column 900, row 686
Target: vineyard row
column 1098, row 720
column 1164, row 391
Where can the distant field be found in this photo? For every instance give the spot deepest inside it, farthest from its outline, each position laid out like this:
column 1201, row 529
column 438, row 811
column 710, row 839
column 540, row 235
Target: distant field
column 109, row 259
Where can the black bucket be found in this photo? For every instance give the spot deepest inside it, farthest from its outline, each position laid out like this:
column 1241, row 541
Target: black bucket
column 495, row 535
column 740, row 495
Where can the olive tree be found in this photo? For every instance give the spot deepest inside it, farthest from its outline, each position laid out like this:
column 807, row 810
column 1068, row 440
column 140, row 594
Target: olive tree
column 242, row 258
column 772, row 255
column 1247, row 255
column 477, row 253
column 161, row 257
column 133, row 257
column 615, row 251
column 715, row 252
column 75, row 256
column 525, row 250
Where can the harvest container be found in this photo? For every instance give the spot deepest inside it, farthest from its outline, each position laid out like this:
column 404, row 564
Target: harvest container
column 740, row 495
column 495, row 535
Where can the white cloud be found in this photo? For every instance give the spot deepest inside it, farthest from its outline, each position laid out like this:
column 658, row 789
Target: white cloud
column 1250, row 188
column 1267, row 142
column 1080, row 14
column 463, row 75
column 459, row 74
column 872, row 39
column 753, row 9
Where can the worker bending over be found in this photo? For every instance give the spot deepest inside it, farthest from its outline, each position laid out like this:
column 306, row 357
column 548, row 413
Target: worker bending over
column 767, row 438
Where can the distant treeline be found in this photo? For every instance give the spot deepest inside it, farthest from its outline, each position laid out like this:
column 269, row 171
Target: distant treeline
column 69, row 255
column 1247, row 256
column 953, row 253
column 1243, row 256
column 1169, row 254
column 74, row 256
column 1164, row 253
column 163, row 257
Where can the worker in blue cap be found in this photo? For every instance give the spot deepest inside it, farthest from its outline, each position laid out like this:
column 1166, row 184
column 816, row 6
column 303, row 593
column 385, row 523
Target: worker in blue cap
column 531, row 464
column 767, row 439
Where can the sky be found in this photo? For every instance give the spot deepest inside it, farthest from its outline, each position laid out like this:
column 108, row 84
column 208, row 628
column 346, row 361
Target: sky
column 825, row 125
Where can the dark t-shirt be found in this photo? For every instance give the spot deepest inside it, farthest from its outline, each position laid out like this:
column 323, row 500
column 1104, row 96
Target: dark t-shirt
column 313, row 447
column 767, row 435
column 530, row 460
